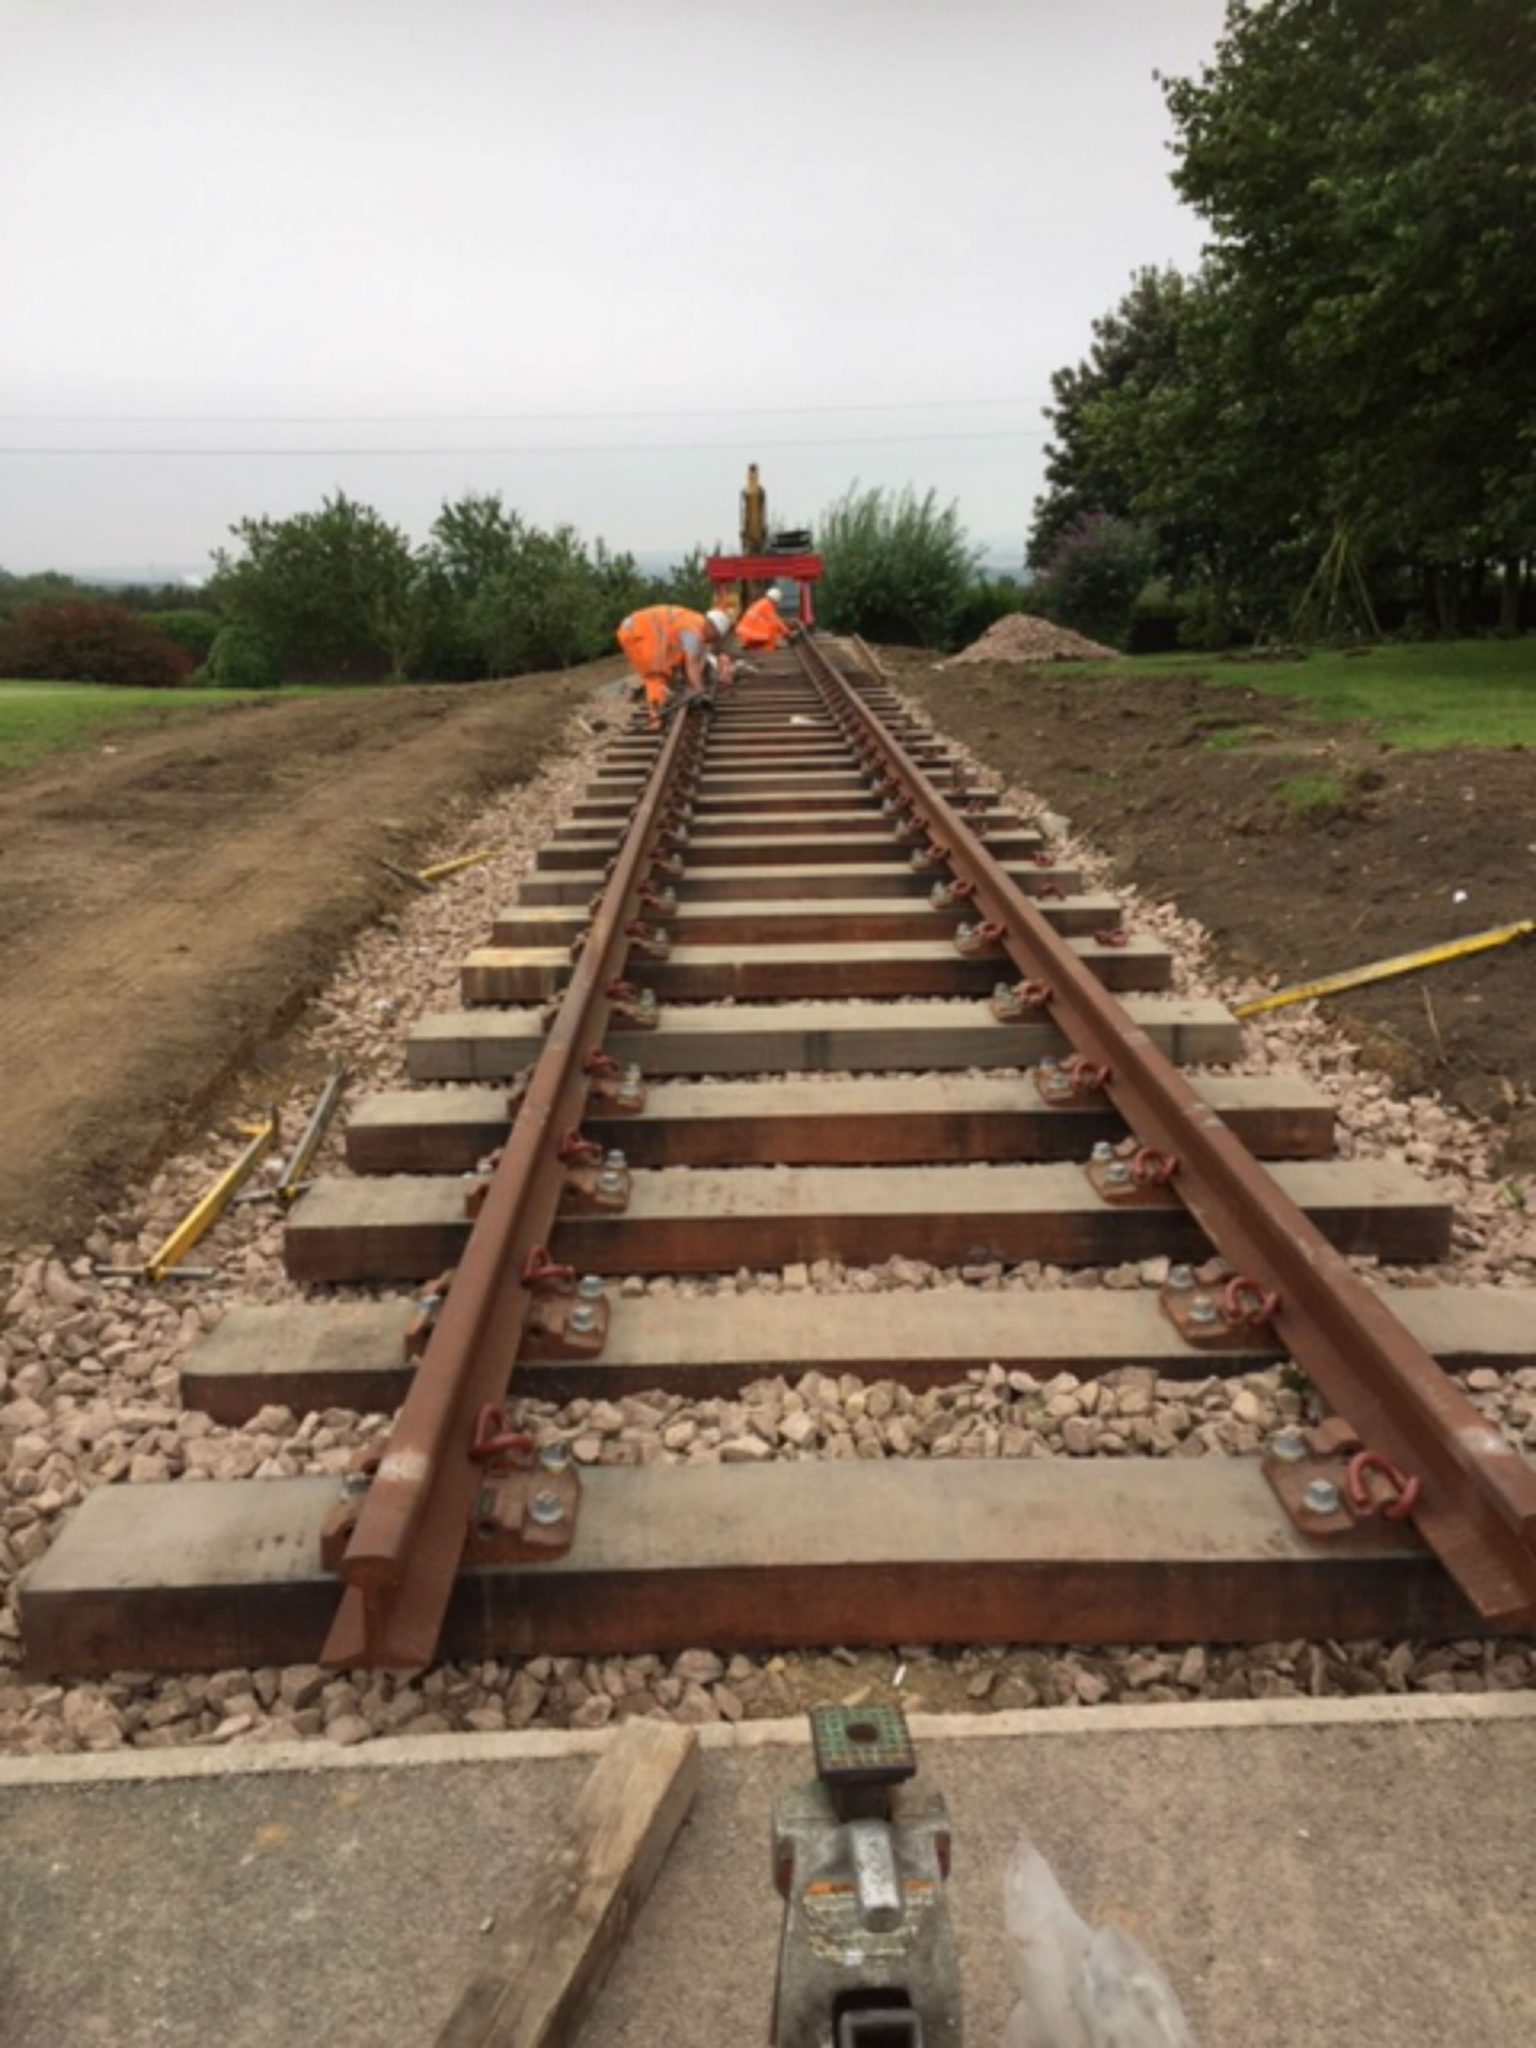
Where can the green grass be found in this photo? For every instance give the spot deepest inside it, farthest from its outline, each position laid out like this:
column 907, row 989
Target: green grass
column 1234, row 738
column 37, row 719
column 1457, row 693
column 1305, row 794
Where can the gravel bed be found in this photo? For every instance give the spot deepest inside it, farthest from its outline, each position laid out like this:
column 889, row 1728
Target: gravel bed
column 89, row 1374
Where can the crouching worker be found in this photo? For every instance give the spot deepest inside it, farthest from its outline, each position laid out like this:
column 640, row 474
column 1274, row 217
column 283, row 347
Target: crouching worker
column 671, row 648
column 761, row 628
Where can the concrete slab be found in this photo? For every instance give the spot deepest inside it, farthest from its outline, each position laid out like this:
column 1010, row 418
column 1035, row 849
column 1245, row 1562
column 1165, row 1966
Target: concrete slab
column 1306, row 1871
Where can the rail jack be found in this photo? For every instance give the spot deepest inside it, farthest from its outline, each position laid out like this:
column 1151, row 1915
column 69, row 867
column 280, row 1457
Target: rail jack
column 867, row 1956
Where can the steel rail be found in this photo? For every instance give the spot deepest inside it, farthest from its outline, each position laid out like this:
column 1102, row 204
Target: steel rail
column 1476, row 1504
column 405, row 1548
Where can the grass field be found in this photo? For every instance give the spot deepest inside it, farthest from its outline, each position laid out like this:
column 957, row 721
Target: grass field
column 1460, row 693
column 40, row 718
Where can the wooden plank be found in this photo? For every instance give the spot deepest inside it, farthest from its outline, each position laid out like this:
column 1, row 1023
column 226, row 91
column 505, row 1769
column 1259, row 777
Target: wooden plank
column 493, row 1045
column 785, row 801
column 226, row 1574
column 865, row 1122
column 699, row 1220
column 804, row 971
column 303, row 1355
column 284, row 1355
column 702, row 882
column 706, row 825
column 765, row 849
column 750, row 782
column 564, row 1935
column 749, row 922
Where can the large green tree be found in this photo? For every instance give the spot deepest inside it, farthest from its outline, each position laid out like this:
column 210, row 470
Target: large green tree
column 1369, row 174
column 334, row 592
column 1344, row 394
column 546, row 605
column 1134, row 350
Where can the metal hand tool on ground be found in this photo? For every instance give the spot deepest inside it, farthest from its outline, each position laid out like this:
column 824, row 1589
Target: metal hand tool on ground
column 867, row 1955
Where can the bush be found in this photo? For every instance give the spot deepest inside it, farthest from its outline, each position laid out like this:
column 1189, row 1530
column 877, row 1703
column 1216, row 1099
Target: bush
column 91, row 643
column 243, row 659
column 194, row 630
column 1157, row 620
column 336, row 592
column 544, row 608
column 1204, row 623
column 897, row 567
column 1093, row 575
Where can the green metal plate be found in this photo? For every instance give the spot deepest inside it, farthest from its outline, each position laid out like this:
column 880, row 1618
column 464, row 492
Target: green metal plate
column 862, row 1745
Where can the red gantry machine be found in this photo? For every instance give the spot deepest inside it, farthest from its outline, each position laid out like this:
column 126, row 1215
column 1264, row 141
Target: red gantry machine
column 783, row 558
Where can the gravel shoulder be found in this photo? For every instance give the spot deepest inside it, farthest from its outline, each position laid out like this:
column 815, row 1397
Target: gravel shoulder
column 169, row 903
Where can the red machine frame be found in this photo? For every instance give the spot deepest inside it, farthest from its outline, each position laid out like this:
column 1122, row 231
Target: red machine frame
column 724, row 570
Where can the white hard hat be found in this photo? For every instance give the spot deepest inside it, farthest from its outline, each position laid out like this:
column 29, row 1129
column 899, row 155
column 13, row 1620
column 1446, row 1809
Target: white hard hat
column 721, row 621
column 773, row 593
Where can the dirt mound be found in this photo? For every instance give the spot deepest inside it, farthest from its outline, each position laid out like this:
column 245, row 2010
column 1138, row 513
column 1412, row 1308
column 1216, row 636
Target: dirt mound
column 1020, row 636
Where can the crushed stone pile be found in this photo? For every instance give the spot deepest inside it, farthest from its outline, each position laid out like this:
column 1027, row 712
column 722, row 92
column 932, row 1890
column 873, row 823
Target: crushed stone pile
column 1020, row 636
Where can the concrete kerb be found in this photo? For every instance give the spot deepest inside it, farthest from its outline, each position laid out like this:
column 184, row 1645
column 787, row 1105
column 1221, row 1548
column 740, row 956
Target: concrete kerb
column 1385, row 1711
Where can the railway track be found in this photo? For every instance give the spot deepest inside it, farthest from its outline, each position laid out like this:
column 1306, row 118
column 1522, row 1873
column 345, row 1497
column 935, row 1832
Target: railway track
column 786, row 988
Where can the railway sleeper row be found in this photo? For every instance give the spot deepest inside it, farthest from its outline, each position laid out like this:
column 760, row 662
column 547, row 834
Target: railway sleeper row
column 805, row 941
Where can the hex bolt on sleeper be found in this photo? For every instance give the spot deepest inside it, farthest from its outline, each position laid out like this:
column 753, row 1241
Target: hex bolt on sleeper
column 584, row 1316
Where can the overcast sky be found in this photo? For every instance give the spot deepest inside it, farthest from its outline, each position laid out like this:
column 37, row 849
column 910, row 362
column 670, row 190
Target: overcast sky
column 595, row 255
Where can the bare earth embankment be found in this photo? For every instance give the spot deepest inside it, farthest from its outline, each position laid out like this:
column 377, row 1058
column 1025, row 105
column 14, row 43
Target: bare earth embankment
column 1307, row 849
column 167, row 906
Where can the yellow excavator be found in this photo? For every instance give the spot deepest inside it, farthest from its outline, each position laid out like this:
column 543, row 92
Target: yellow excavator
column 784, row 559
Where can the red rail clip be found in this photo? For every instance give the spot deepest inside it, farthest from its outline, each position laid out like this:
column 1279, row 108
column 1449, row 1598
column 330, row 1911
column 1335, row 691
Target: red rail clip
column 1151, row 1168
column 540, row 1271
column 495, row 1438
column 1087, row 1077
column 1406, row 1487
column 1244, row 1301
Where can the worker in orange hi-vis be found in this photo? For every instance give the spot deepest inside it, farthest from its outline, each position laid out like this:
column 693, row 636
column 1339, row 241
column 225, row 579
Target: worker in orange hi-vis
column 761, row 629
column 670, row 647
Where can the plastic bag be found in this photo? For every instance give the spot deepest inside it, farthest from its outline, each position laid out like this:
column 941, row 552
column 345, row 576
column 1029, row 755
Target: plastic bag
column 1080, row 1986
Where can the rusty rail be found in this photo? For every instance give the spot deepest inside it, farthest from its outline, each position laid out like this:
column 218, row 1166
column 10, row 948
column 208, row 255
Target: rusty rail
column 1476, row 1499
column 405, row 1548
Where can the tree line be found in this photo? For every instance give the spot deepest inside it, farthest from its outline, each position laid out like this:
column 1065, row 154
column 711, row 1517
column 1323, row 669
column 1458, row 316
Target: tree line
column 340, row 594
column 1329, row 426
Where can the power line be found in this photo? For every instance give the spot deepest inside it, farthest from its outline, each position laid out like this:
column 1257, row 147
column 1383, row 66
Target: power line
column 572, row 448
column 481, row 419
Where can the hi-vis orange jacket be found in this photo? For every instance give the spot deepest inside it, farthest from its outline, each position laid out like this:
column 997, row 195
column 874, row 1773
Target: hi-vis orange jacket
column 659, row 639
column 761, row 626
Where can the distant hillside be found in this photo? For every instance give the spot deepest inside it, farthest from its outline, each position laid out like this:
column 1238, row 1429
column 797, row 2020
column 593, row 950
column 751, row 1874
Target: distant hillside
column 152, row 575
